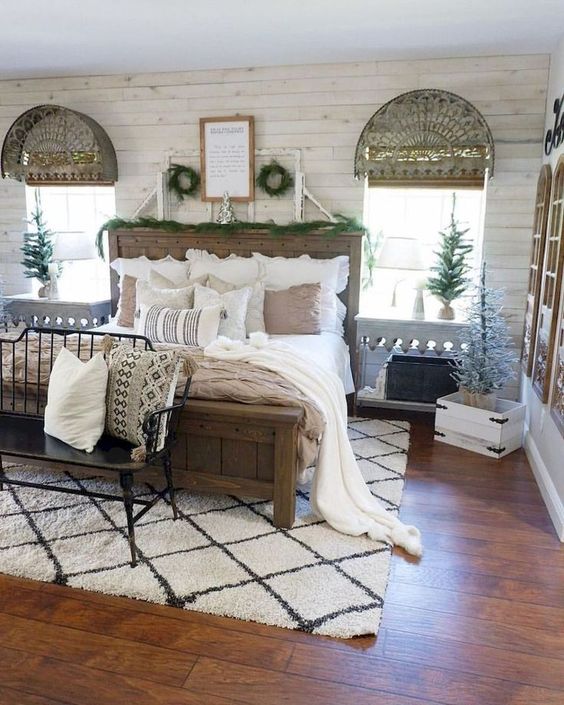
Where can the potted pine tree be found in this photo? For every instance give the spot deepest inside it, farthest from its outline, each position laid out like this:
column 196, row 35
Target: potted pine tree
column 37, row 248
column 450, row 280
column 475, row 418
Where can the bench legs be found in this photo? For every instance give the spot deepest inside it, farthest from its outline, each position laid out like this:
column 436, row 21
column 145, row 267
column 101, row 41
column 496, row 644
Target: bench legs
column 126, row 482
column 167, row 465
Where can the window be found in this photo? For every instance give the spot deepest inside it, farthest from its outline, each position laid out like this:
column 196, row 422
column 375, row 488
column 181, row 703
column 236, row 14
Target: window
column 78, row 211
column 418, row 213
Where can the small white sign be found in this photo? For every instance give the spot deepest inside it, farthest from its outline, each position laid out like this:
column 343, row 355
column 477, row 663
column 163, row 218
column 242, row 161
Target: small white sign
column 227, row 153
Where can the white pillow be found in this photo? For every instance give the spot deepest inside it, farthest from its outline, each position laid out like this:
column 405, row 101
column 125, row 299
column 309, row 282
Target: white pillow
column 234, row 303
column 232, row 269
column 255, row 310
column 284, row 272
column 76, row 400
column 171, row 298
column 139, row 267
column 195, row 327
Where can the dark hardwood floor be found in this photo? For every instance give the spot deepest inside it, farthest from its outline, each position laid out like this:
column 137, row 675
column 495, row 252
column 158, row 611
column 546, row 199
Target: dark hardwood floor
column 479, row 620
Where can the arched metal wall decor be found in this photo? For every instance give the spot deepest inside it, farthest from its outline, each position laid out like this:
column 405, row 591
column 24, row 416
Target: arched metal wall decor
column 540, row 222
column 425, row 137
column 50, row 144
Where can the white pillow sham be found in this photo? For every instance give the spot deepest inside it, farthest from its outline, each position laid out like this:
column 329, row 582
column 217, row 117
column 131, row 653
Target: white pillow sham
column 139, row 267
column 284, row 272
column 76, row 400
column 234, row 303
column 232, row 269
column 255, row 310
column 195, row 327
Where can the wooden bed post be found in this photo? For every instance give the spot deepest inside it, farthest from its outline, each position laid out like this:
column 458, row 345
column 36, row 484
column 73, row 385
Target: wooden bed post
column 285, row 472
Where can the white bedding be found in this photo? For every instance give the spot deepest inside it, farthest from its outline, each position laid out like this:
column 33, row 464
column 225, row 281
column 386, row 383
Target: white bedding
column 327, row 350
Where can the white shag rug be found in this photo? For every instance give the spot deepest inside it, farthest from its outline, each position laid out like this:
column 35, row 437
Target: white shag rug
column 223, row 556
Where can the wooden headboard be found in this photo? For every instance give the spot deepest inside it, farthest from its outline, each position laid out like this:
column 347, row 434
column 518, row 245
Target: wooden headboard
column 156, row 244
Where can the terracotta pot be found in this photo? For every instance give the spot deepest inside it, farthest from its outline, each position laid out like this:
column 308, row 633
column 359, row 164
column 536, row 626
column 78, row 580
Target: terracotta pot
column 446, row 312
column 479, row 401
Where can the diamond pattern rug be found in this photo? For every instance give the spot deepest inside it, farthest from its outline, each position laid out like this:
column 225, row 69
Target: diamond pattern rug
column 223, row 556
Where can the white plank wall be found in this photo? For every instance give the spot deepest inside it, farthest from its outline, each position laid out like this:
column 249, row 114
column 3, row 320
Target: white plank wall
column 320, row 109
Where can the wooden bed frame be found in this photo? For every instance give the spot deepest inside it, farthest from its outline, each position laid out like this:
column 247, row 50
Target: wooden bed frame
column 234, row 448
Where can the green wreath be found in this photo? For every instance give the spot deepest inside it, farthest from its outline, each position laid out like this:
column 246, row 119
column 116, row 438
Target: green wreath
column 178, row 175
column 274, row 169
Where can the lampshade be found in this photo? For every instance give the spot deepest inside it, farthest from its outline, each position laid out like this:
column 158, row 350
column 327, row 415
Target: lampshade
column 401, row 253
column 74, row 246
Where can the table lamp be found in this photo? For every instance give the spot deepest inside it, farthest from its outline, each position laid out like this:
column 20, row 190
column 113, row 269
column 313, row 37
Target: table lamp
column 404, row 253
column 69, row 247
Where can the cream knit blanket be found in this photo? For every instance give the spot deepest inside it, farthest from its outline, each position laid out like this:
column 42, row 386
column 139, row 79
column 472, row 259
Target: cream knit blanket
column 339, row 494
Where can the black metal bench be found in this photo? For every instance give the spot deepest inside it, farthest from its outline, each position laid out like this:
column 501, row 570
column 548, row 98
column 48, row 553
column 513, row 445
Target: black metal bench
column 22, row 438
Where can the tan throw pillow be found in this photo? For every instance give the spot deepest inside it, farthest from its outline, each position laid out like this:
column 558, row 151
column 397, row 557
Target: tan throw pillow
column 293, row 311
column 126, row 308
column 255, row 310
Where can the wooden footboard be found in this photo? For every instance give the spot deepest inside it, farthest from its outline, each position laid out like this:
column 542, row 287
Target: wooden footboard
column 240, row 449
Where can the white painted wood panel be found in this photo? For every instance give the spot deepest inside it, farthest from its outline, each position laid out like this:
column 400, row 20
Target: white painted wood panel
column 319, row 109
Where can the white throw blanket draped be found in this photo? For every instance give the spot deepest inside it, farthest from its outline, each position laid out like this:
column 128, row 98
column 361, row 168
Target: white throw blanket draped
column 339, row 493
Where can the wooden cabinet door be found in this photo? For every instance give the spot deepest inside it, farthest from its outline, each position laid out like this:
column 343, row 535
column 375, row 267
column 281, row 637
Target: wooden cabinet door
column 540, row 222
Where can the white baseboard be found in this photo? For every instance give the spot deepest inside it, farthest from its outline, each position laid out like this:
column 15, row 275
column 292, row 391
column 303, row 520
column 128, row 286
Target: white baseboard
column 547, row 489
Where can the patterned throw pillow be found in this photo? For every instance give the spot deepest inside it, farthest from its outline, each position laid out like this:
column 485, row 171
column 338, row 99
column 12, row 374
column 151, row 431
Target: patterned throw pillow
column 235, row 304
column 139, row 382
column 195, row 327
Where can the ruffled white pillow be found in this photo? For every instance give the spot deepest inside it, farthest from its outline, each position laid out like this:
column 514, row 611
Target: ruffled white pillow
column 232, row 269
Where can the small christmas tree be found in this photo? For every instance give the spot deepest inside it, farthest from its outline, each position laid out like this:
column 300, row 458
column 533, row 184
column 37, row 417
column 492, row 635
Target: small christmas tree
column 450, row 281
column 226, row 216
column 485, row 360
column 37, row 246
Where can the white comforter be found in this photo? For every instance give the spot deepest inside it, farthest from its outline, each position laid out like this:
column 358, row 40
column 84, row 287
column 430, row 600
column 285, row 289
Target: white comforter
column 339, row 494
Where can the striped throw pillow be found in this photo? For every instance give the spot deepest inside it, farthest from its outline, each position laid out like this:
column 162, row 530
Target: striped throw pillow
column 194, row 327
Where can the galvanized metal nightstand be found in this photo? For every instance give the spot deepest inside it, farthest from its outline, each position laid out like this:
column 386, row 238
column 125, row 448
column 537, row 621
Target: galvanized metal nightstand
column 34, row 311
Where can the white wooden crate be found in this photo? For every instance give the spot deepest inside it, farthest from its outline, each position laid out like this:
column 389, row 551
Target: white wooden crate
column 492, row 433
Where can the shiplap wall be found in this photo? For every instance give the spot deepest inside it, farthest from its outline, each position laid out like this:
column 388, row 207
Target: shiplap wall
column 320, row 109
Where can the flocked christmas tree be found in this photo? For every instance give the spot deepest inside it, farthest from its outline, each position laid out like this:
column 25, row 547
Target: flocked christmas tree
column 485, row 360
column 226, row 215
column 450, row 280
column 37, row 246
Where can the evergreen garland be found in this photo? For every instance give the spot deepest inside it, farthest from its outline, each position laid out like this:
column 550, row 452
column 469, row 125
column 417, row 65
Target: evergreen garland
column 343, row 225
column 274, row 169
column 179, row 174
column 450, row 281
column 37, row 246
column 485, row 360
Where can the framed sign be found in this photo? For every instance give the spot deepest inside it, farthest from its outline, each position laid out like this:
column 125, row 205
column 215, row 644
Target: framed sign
column 227, row 157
